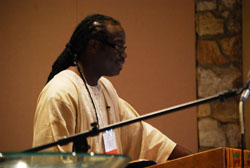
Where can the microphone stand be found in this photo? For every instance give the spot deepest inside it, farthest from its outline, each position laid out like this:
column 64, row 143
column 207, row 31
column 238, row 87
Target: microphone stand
column 243, row 98
column 80, row 139
column 242, row 131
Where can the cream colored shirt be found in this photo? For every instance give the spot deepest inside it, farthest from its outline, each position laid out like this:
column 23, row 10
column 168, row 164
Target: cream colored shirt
column 64, row 109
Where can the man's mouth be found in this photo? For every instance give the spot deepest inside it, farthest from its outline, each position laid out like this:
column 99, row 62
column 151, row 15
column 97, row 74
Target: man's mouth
column 120, row 61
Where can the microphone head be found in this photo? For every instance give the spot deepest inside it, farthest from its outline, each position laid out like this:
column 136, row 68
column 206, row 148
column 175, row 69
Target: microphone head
column 247, row 85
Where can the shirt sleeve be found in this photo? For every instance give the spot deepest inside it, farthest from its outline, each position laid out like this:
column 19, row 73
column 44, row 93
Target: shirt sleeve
column 54, row 118
column 141, row 140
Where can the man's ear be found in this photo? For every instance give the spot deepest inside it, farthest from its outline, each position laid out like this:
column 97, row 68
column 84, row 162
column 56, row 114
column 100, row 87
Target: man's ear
column 94, row 46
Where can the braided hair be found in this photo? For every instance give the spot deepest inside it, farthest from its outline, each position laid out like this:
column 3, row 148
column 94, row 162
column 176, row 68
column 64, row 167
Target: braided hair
column 92, row 27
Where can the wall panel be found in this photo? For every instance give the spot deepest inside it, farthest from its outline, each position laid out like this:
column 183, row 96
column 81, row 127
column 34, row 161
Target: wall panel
column 159, row 72
column 33, row 33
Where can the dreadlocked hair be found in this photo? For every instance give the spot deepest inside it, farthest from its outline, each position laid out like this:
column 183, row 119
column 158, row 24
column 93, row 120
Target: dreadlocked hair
column 92, row 27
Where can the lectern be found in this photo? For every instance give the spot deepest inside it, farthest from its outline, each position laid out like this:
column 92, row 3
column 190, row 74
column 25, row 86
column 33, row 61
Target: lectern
column 215, row 158
column 62, row 160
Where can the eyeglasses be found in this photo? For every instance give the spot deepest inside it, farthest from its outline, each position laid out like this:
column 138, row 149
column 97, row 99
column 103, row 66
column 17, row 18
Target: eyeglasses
column 118, row 48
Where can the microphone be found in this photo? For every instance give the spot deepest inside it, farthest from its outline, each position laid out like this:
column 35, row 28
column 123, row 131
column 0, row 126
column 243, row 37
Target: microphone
column 246, row 89
column 243, row 98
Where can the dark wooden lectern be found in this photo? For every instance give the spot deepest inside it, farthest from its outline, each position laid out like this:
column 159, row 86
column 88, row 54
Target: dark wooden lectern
column 215, row 158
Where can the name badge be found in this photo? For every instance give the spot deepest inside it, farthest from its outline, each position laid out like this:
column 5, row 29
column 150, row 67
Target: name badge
column 110, row 142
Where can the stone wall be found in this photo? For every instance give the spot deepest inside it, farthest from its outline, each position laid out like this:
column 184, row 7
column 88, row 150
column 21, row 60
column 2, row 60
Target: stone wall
column 219, row 67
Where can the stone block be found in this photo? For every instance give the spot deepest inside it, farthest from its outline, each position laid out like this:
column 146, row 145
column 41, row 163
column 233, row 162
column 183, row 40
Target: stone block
column 207, row 24
column 206, row 5
column 216, row 79
column 225, row 14
column 233, row 135
column 204, row 110
column 226, row 111
column 208, row 52
column 211, row 133
column 231, row 46
column 229, row 3
column 233, row 26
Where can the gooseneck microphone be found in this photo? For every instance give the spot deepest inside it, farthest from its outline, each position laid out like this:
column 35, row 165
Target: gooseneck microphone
column 244, row 95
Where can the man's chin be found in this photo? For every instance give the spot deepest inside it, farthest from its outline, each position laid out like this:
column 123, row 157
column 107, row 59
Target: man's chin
column 113, row 74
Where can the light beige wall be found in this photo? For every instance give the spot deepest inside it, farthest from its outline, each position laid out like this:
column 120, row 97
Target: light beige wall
column 159, row 72
column 246, row 62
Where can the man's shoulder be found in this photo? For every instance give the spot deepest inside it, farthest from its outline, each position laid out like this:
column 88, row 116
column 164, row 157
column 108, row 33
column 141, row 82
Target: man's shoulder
column 65, row 82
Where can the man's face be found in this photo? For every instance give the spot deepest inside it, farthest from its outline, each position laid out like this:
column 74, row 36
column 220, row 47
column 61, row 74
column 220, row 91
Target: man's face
column 111, row 55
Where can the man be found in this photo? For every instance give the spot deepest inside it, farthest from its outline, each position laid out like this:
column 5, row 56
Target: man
column 77, row 95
